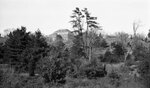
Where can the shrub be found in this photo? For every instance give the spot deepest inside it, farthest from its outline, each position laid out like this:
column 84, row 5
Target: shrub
column 116, row 54
column 114, row 78
column 111, row 58
column 54, row 70
column 75, row 69
column 118, row 48
column 144, row 70
column 92, row 70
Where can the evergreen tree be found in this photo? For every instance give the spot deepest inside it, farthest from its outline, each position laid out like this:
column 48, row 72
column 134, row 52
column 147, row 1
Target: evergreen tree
column 78, row 44
column 36, row 49
column 92, row 25
column 77, row 50
column 77, row 21
column 15, row 45
column 1, row 53
column 118, row 48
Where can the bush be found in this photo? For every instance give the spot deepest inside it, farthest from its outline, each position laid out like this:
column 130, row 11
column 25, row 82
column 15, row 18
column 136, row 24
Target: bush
column 111, row 58
column 142, row 54
column 75, row 69
column 144, row 70
column 115, row 55
column 54, row 70
column 118, row 48
column 114, row 78
column 92, row 70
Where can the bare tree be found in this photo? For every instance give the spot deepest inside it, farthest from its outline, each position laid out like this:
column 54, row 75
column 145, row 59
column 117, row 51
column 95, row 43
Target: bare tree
column 123, row 38
column 136, row 25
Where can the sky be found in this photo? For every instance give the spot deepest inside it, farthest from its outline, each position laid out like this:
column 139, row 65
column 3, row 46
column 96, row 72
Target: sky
column 51, row 15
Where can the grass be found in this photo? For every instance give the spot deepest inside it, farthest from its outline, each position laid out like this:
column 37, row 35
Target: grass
column 14, row 80
column 101, row 83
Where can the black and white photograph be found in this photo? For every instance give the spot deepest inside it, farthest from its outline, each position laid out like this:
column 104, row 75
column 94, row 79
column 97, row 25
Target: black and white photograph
column 74, row 43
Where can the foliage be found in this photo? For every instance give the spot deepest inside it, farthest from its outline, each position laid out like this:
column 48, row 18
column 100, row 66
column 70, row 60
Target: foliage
column 15, row 45
column 90, row 21
column 24, row 49
column 111, row 58
column 9, row 78
column 115, row 53
column 99, row 41
column 91, row 27
column 114, row 78
column 77, row 17
column 54, row 67
column 142, row 54
column 94, row 72
column 29, row 52
column 144, row 70
column 104, row 43
column 77, row 50
column 91, row 70
column 77, row 55
column 2, row 53
column 118, row 48
column 123, row 38
column 36, row 49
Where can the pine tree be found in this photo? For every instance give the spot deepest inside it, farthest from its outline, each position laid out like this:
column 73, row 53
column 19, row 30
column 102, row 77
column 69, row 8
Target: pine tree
column 36, row 49
column 92, row 25
column 77, row 21
column 78, row 44
column 15, row 45
column 1, row 53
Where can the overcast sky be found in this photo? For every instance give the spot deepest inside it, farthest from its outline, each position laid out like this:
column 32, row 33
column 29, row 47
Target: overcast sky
column 51, row 15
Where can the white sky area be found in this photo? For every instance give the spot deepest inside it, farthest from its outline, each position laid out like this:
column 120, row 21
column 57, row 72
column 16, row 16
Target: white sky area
column 51, row 15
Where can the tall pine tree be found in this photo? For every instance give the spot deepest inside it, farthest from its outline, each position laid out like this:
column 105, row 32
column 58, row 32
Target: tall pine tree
column 15, row 45
column 92, row 25
column 36, row 49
